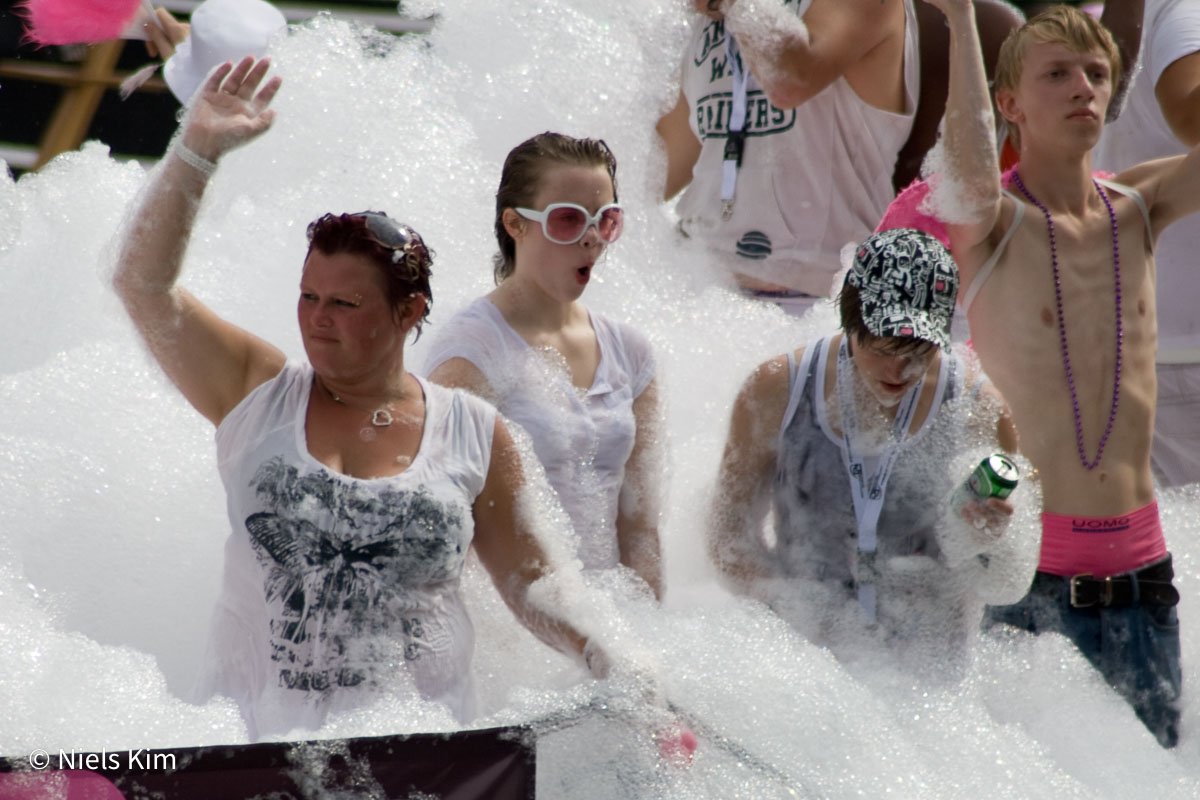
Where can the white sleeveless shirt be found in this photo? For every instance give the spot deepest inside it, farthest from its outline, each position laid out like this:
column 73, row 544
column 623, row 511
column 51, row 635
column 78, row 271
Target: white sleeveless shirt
column 812, row 178
column 332, row 581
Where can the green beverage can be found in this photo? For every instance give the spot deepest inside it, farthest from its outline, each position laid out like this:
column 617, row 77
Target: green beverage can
column 996, row 476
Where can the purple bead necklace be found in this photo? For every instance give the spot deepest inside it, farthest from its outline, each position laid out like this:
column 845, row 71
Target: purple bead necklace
column 1062, row 326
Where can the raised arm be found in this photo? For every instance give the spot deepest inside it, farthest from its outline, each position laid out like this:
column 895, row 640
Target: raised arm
column 640, row 503
column 214, row 363
column 165, row 35
column 1123, row 18
column 1178, row 94
column 739, row 505
column 794, row 60
column 967, row 192
column 1169, row 185
column 994, row 19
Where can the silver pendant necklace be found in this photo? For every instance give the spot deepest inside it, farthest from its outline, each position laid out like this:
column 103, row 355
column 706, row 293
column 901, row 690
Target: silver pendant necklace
column 381, row 418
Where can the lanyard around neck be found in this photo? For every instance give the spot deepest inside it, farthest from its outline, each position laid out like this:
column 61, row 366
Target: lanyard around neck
column 868, row 490
column 735, row 143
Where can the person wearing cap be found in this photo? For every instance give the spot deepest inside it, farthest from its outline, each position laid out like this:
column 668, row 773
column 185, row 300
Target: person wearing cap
column 851, row 443
column 355, row 489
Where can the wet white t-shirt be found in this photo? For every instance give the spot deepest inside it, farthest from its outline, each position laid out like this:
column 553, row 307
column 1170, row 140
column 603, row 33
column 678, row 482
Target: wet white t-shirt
column 582, row 438
column 337, row 586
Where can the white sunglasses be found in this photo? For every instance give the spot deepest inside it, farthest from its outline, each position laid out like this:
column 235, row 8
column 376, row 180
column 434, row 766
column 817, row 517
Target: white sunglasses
column 566, row 223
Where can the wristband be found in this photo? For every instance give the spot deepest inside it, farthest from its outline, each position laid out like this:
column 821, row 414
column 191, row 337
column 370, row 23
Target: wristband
column 194, row 160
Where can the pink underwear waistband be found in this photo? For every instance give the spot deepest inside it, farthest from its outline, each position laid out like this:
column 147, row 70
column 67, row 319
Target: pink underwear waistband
column 1101, row 546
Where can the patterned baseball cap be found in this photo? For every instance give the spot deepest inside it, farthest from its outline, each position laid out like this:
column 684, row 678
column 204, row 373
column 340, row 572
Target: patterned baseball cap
column 907, row 283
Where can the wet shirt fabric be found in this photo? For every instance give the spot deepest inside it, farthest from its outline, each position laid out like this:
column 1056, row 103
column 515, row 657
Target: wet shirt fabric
column 582, row 438
column 812, row 178
column 918, row 594
column 336, row 588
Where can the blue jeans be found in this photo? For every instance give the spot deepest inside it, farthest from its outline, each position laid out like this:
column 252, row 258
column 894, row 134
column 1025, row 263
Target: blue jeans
column 1135, row 647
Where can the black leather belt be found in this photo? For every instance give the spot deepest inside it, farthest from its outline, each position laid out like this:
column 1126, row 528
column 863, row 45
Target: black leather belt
column 1148, row 586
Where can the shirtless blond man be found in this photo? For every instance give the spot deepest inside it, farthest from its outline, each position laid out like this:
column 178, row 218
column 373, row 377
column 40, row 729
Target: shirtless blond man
column 1060, row 280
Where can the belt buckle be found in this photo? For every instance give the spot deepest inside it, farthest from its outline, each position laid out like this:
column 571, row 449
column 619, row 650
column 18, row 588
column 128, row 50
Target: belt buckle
column 1074, row 583
column 1105, row 599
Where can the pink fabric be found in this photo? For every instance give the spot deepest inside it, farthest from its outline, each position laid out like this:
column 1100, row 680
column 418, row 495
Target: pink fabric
column 77, row 21
column 1101, row 546
column 906, row 212
column 68, row 784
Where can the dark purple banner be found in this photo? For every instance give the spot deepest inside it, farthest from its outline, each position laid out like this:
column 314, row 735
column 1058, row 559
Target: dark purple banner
column 496, row 763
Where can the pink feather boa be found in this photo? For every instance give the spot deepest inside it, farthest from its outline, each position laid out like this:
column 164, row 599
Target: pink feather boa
column 77, row 21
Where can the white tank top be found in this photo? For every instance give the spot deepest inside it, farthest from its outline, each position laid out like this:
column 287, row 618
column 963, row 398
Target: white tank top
column 331, row 581
column 812, row 178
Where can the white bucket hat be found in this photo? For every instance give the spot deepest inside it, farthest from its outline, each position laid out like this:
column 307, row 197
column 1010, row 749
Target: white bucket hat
column 222, row 30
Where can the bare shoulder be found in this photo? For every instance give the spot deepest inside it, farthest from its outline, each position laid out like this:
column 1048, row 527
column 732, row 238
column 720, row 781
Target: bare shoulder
column 769, row 379
column 847, row 30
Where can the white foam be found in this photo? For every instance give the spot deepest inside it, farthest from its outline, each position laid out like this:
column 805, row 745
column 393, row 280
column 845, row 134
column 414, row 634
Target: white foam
column 112, row 517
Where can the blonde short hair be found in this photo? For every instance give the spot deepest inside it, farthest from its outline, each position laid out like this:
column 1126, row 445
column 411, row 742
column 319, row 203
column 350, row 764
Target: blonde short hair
column 1062, row 24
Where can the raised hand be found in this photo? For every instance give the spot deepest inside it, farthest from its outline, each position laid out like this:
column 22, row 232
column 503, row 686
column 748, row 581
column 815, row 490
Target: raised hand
column 163, row 36
column 230, row 109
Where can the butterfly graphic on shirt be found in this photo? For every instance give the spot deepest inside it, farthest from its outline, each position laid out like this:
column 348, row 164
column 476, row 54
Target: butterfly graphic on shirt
column 347, row 569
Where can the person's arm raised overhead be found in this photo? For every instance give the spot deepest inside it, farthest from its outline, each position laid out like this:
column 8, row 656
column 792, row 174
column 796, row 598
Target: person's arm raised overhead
column 794, row 59
column 1123, row 18
column 1178, row 95
column 970, row 184
column 213, row 362
column 165, row 34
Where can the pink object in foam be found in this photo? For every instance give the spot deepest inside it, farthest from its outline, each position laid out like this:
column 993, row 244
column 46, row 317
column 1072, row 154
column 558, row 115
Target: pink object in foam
column 67, row 784
column 77, row 21
column 676, row 745
column 906, row 212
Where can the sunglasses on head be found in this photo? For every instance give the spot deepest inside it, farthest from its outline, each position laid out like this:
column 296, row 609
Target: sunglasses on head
column 403, row 241
column 566, row 223
column 387, row 231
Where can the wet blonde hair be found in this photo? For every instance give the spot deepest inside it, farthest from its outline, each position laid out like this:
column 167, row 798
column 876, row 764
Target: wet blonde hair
column 1066, row 25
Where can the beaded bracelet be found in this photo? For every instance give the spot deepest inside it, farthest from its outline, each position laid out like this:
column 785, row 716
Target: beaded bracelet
column 194, row 160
